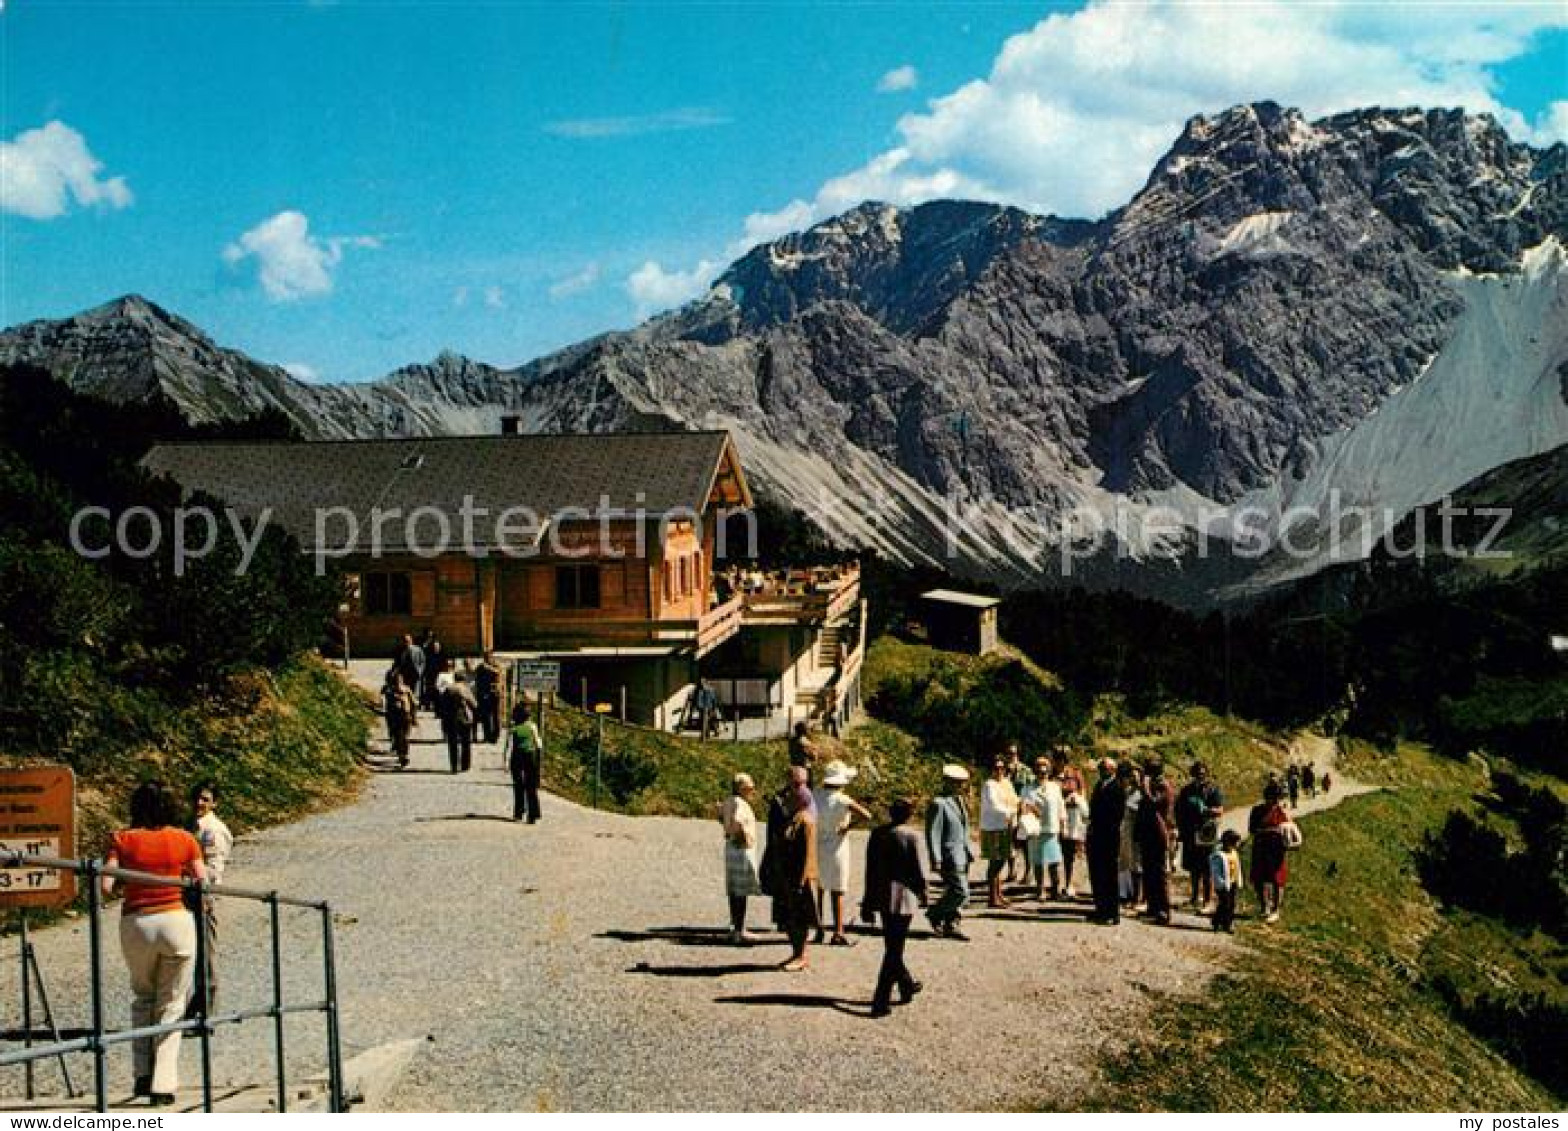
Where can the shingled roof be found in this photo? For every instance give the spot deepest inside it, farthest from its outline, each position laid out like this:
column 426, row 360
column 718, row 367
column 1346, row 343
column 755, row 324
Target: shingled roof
column 586, row 475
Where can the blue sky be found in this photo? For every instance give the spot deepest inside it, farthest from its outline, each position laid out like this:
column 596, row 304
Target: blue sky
column 348, row 187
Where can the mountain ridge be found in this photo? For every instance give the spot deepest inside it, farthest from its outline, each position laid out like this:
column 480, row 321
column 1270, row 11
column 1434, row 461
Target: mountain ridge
column 1274, row 283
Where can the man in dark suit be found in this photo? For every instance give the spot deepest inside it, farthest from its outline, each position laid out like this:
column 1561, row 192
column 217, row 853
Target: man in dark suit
column 895, row 886
column 1107, row 807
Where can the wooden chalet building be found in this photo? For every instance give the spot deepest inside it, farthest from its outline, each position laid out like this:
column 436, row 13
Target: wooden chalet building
column 596, row 550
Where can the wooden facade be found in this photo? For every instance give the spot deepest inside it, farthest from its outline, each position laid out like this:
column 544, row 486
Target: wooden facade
column 613, row 576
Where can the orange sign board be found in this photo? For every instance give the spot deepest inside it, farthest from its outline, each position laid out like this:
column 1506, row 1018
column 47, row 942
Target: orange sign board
column 38, row 818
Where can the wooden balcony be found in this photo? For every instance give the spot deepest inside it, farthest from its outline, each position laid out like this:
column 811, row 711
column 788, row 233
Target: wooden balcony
column 809, row 597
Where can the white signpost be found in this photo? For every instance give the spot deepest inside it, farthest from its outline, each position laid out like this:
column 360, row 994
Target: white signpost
column 538, row 676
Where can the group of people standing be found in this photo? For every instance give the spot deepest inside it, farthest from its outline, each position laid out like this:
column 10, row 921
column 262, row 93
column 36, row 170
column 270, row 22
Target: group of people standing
column 159, row 924
column 1134, row 829
column 1305, row 779
column 466, row 700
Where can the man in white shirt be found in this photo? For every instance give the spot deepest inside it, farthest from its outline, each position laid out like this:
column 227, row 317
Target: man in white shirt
column 217, row 842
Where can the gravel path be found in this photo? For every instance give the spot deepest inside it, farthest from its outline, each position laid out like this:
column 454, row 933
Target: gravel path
column 579, row 964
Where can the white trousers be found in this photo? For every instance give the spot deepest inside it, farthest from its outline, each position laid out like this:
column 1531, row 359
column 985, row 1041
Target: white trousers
column 160, row 952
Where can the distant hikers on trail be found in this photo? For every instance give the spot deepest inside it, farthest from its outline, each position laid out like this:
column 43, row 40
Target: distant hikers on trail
column 457, row 709
column 400, row 708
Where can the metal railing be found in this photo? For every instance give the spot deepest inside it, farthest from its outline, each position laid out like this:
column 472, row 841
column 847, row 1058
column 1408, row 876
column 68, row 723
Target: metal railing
column 98, row 1040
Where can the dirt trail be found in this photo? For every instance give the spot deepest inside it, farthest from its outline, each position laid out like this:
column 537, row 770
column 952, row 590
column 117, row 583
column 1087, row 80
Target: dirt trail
column 580, row 964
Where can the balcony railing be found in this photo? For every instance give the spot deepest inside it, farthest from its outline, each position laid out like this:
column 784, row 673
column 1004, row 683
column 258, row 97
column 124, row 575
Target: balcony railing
column 803, row 597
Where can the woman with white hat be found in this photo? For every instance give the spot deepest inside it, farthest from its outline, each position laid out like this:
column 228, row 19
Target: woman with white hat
column 836, row 812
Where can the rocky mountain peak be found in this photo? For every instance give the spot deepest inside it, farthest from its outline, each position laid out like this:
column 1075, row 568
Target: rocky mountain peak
column 899, row 266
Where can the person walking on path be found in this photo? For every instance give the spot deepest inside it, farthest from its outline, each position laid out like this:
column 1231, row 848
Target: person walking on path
column 1042, row 817
column 895, row 888
column 487, row 692
column 217, row 843
column 524, row 757
column 1309, row 779
column 436, row 666
column 1199, row 806
column 157, row 932
column 1225, row 876
column 740, row 854
column 1075, row 814
column 1269, row 871
column 401, row 709
column 998, row 815
column 1156, row 833
column 410, row 664
column 1107, row 806
column 458, row 709
column 947, row 846
column 789, row 866
column 1293, row 784
column 836, row 812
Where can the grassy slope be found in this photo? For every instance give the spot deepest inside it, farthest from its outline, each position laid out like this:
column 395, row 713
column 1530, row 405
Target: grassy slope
column 1333, row 1010
column 277, row 748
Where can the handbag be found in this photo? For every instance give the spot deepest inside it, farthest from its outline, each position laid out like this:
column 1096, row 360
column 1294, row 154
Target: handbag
column 1292, row 834
column 1208, row 833
column 1029, row 827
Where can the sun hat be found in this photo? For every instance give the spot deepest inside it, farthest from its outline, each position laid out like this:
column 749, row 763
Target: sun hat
column 954, row 772
column 836, row 773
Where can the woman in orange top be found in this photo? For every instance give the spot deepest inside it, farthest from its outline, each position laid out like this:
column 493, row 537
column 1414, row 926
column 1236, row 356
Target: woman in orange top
column 157, row 932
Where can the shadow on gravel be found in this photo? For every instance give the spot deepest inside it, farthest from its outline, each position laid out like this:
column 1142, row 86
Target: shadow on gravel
column 1052, row 915
column 704, row 971
column 799, row 1001
column 687, row 936
column 467, row 817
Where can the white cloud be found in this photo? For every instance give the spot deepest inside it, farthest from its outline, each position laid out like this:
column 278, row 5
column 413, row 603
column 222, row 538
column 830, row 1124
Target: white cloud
column 664, row 121
column 495, row 298
column 899, row 78
column 1552, row 124
column 1078, row 109
column 575, row 283
column 292, row 263
column 653, row 288
column 42, row 170
column 300, row 371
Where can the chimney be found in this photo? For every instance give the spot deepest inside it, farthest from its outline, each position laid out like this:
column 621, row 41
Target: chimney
column 511, row 426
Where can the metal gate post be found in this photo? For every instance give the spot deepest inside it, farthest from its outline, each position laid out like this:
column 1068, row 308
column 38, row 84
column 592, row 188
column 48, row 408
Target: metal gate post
column 27, row 995
column 334, row 1044
column 277, row 1001
column 204, row 982
column 94, row 922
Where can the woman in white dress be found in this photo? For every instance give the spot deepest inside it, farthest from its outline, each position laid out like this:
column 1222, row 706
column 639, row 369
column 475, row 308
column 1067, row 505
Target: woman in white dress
column 836, row 812
column 1043, row 812
column 998, row 817
column 740, row 854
